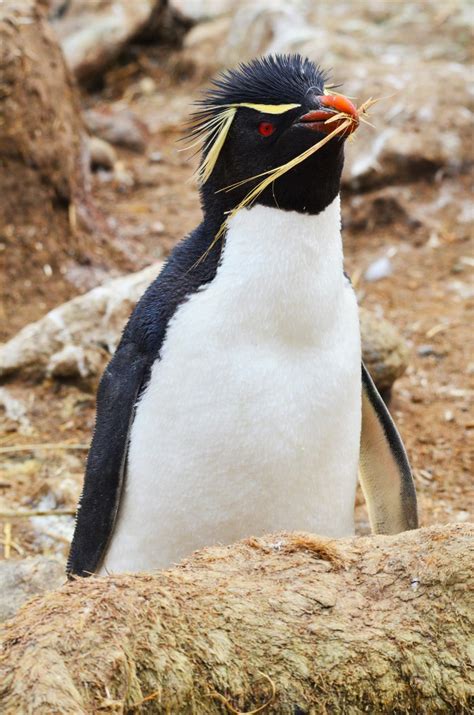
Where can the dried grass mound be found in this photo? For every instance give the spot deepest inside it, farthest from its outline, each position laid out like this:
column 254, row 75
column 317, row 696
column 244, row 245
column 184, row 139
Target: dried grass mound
column 289, row 623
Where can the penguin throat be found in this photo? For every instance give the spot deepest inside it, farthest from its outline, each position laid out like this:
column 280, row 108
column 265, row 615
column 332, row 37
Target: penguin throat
column 308, row 188
column 283, row 245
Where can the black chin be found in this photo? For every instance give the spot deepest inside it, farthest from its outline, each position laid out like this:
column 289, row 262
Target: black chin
column 312, row 185
column 308, row 188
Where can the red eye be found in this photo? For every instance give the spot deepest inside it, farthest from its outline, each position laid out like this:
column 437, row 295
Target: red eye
column 266, row 128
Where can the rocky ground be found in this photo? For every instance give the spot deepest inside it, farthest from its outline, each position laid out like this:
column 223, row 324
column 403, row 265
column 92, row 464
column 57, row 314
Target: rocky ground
column 406, row 230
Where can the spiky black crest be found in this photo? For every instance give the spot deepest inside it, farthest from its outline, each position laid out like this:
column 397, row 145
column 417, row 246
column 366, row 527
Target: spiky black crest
column 274, row 79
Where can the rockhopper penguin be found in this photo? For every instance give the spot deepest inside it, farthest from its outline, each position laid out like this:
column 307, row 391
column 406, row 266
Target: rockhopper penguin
column 235, row 403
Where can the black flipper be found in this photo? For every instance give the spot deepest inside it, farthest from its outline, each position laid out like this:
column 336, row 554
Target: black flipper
column 106, row 465
column 384, row 470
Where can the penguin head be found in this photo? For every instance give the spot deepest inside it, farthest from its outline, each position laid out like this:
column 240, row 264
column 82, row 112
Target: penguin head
column 262, row 116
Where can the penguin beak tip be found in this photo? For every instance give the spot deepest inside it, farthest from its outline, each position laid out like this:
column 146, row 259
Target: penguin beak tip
column 330, row 106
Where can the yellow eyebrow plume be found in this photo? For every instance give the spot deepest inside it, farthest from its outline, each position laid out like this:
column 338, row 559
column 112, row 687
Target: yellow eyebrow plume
column 218, row 127
column 268, row 108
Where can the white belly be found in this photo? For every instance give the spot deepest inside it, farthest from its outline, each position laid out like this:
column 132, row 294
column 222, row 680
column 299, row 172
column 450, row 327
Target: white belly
column 251, row 420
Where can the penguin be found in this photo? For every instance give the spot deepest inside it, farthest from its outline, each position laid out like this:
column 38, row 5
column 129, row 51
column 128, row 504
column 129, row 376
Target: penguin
column 237, row 402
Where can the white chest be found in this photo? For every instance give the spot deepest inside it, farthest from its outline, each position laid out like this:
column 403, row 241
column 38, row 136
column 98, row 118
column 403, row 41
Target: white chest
column 251, row 420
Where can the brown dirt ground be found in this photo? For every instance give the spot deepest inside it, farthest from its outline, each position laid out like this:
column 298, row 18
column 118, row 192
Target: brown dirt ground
column 54, row 242
column 427, row 297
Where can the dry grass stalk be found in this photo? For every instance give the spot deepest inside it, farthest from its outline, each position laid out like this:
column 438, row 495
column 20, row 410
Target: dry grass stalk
column 259, row 709
column 7, row 541
column 31, row 447
column 27, row 514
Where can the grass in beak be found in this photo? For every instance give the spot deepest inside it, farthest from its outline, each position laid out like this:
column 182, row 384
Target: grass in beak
column 273, row 174
column 363, row 110
column 270, row 176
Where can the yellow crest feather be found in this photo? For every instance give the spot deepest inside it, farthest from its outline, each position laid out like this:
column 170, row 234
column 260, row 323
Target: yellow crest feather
column 218, row 127
column 217, row 137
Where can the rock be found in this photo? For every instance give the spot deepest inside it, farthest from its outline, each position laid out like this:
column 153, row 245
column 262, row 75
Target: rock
column 381, row 268
column 254, row 28
column 23, row 579
column 202, row 45
column 122, row 128
column 147, row 86
column 92, row 37
column 199, row 10
column 76, row 338
column 122, row 176
column 205, row 33
column 15, row 410
column 102, row 154
column 71, row 361
column 52, row 531
column 389, row 206
column 384, row 351
column 93, row 34
column 156, row 157
column 426, row 350
column 157, row 227
column 266, row 27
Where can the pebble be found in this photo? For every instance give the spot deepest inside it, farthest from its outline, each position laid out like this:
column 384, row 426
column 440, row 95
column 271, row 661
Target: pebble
column 147, row 86
column 155, row 157
column 102, row 154
column 122, row 176
column 120, row 128
column 381, row 268
column 157, row 227
column 425, row 350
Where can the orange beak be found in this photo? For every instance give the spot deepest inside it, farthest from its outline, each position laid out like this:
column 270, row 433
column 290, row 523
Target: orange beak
column 333, row 104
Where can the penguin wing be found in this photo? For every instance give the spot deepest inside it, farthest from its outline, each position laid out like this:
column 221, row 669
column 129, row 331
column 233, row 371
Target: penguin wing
column 384, row 470
column 118, row 392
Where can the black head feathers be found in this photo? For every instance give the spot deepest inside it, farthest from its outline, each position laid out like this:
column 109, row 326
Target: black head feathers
column 274, row 79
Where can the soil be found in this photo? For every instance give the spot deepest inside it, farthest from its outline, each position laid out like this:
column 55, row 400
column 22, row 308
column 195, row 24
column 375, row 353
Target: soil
column 51, row 233
column 152, row 203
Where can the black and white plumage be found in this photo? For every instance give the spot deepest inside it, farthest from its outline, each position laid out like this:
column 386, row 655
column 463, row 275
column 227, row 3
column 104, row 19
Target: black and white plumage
column 234, row 403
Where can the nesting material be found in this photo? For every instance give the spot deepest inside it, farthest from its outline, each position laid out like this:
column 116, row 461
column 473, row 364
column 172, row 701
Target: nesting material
column 366, row 624
column 212, row 130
